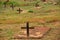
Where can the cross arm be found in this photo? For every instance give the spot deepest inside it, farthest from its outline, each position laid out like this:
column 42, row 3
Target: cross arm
column 26, row 27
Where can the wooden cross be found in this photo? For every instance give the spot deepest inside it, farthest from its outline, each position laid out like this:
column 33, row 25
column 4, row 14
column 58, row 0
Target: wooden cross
column 27, row 28
column 19, row 10
column 5, row 3
column 12, row 6
column 36, row 5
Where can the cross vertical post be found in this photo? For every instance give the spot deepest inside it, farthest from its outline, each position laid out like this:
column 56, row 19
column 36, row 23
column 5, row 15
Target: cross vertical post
column 27, row 28
column 12, row 6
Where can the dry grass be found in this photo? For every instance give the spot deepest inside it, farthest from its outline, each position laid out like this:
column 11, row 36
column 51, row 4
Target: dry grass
column 11, row 21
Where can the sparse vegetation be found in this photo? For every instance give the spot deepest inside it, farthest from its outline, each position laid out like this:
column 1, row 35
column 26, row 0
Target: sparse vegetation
column 13, row 2
column 11, row 22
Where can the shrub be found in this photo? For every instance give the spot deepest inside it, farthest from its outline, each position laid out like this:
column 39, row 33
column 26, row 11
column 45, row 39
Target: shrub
column 31, row 11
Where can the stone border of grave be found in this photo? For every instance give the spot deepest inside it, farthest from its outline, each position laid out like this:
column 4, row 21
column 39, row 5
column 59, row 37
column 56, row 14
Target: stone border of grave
column 36, row 33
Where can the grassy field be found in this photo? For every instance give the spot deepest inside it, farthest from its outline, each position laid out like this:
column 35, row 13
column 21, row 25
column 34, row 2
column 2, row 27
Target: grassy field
column 11, row 21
